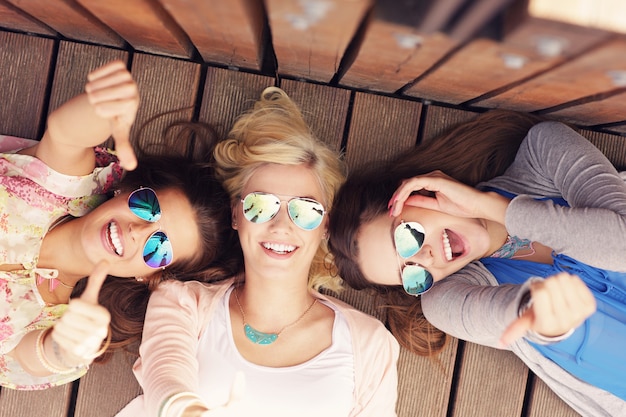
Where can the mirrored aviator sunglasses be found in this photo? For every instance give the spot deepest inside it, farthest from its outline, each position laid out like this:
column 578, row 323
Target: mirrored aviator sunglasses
column 305, row 213
column 408, row 238
column 157, row 251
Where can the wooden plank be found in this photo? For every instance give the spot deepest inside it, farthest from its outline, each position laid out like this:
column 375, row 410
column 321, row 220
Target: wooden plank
column 325, row 109
column 544, row 402
column 107, row 388
column 71, row 20
column 143, row 24
column 43, row 403
column 484, row 66
column 439, row 120
column 227, row 94
column 310, row 37
column 228, row 33
column 394, row 54
column 74, row 62
column 424, row 383
column 380, row 128
column 585, row 76
column 24, row 64
column 491, row 382
column 605, row 110
column 604, row 14
column 13, row 18
column 613, row 146
column 168, row 89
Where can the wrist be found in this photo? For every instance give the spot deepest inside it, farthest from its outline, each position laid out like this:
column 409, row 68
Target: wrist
column 494, row 207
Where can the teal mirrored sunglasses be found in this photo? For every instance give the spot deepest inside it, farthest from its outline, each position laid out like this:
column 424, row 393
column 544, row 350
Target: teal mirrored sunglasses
column 408, row 238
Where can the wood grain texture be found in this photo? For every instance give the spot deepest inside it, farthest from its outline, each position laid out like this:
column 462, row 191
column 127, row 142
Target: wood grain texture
column 424, row 383
column 227, row 94
column 25, row 63
column 491, row 382
column 144, row 24
column 12, row 17
column 168, row 89
column 324, row 108
column 544, row 402
column 104, row 379
column 70, row 20
column 586, row 75
column 74, row 62
column 224, row 32
column 380, row 128
column 310, row 37
column 46, row 403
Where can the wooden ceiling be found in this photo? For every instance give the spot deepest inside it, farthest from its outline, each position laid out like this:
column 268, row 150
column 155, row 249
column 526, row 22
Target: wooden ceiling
column 515, row 54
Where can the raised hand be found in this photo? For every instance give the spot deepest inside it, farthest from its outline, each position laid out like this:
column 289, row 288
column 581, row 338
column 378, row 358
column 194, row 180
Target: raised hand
column 437, row 191
column 84, row 325
column 114, row 96
column 559, row 303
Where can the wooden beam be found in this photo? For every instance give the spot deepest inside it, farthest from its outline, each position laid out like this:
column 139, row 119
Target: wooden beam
column 225, row 32
column 144, row 24
column 71, row 20
column 16, row 19
column 310, row 37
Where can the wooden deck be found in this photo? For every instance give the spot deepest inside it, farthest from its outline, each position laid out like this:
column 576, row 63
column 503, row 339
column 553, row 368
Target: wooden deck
column 41, row 70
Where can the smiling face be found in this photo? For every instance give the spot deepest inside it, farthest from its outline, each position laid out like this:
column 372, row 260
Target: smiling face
column 450, row 243
column 113, row 233
column 277, row 247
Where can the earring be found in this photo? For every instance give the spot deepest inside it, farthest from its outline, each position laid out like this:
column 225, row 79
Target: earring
column 139, row 279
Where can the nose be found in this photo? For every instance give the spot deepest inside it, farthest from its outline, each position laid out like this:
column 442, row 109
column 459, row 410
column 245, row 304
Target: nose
column 424, row 257
column 281, row 221
column 140, row 230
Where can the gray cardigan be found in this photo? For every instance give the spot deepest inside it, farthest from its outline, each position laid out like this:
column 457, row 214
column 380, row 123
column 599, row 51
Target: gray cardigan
column 553, row 161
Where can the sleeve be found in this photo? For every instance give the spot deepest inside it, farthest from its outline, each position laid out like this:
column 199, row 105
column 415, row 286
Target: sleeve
column 168, row 368
column 469, row 305
column 555, row 161
column 376, row 371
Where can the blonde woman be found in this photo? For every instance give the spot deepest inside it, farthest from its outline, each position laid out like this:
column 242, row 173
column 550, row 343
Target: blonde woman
column 267, row 342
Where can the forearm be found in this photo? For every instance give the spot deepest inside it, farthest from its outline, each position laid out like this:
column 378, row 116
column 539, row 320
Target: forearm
column 36, row 355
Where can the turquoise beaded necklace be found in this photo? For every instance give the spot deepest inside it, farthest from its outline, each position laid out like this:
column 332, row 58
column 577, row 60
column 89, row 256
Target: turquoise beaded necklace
column 262, row 338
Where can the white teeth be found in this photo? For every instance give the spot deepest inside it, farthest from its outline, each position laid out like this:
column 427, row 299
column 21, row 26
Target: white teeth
column 115, row 239
column 446, row 246
column 279, row 247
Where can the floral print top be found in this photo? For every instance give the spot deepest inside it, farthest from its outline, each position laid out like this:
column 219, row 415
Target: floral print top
column 32, row 198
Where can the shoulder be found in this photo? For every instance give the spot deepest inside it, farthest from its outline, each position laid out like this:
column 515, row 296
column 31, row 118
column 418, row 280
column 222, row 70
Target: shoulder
column 190, row 292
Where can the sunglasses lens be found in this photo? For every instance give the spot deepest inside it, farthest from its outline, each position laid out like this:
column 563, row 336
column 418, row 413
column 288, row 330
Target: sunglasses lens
column 307, row 214
column 259, row 207
column 416, row 280
column 144, row 204
column 409, row 238
column 157, row 252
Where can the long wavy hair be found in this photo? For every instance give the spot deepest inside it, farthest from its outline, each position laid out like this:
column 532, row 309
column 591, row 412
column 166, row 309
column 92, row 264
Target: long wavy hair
column 471, row 152
column 187, row 167
column 274, row 132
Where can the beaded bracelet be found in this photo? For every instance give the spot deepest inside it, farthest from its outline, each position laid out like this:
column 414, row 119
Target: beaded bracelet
column 41, row 355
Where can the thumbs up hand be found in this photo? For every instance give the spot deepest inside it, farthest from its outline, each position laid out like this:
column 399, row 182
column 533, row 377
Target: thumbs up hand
column 85, row 324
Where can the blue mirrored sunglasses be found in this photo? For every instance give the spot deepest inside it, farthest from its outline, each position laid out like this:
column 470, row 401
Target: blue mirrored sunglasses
column 408, row 237
column 305, row 213
column 157, row 252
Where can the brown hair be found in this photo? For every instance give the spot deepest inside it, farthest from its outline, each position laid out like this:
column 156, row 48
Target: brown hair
column 188, row 167
column 471, row 152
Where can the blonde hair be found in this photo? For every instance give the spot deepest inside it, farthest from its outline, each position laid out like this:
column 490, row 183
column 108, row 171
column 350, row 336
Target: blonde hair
column 274, row 132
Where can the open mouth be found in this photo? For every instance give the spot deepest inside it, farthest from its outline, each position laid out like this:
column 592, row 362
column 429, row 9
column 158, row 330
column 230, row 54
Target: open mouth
column 452, row 245
column 114, row 238
column 279, row 248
